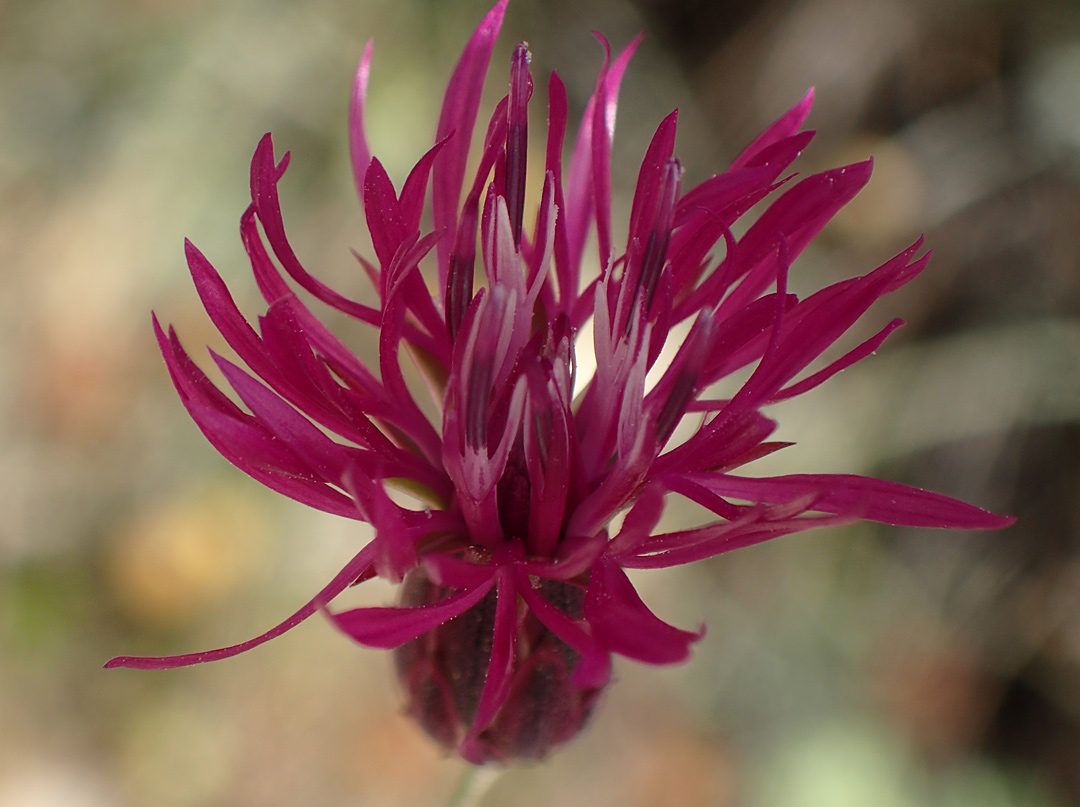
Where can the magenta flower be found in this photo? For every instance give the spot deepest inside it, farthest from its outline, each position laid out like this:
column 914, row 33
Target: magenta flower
column 514, row 592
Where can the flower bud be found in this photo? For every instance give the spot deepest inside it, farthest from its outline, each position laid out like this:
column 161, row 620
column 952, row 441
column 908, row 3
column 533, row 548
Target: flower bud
column 444, row 672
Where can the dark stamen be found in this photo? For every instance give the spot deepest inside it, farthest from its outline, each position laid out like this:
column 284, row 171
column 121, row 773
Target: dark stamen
column 517, row 137
column 459, row 283
column 674, row 406
column 654, row 256
column 476, row 403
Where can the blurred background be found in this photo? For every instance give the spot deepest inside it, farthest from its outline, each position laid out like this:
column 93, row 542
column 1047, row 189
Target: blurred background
column 866, row 666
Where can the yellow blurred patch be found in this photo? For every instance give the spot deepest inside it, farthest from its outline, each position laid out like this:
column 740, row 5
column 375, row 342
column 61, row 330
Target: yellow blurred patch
column 180, row 557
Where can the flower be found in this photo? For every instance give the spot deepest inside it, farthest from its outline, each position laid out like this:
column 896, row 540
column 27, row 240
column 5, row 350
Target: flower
column 515, row 595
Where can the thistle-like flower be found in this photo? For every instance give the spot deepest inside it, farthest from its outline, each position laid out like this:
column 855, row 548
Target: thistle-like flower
column 514, row 594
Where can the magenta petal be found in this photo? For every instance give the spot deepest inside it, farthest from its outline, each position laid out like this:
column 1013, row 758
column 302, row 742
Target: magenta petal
column 566, row 269
column 191, row 383
column 283, row 357
column 787, row 125
column 223, row 311
column 265, row 175
column 797, row 217
column 500, row 669
column 576, row 556
column 454, row 572
column 353, row 570
column 640, row 521
column 845, row 361
column 594, row 667
column 458, row 116
column 358, row 146
column 657, row 156
column 395, row 551
column 873, row 499
column 677, row 549
column 415, row 189
column 325, row 456
column 392, row 627
column 580, row 188
column 234, row 434
column 713, row 197
column 625, row 625
column 384, row 217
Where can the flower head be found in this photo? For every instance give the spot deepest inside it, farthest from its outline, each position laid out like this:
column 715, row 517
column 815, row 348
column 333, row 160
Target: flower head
column 514, row 590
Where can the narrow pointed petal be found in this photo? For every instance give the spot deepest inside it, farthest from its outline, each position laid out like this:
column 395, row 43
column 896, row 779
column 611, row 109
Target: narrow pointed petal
column 326, row 457
column 500, row 669
column 848, row 359
column 387, row 628
column 565, row 268
column 625, row 625
column 265, row 175
column 788, row 124
column 875, row 499
column 356, row 567
column 594, row 668
column 581, row 189
column 458, row 116
column 692, row 546
column 797, row 217
column 639, row 522
column 395, row 543
column 450, row 571
column 359, row 151
column 384, row 217
column 236, row 437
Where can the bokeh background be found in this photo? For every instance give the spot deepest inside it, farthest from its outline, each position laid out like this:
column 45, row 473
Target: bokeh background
column 870, row 667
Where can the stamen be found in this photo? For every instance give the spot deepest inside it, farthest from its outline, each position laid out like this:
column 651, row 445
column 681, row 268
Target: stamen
column 476, row 403
column 660, row 233
column 517, row 136
column 646, row 270
column 672, row 411
column 459, row 288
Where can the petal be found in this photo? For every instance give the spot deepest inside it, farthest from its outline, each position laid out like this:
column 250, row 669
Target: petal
column 581, row 188
column 566, row 270
column 451, row 571
column 845, row 361
column 358, row 146
column 874, row 499
column 458, row 116
column 576, row 556
column 265, row 175
column 387, row 628
column 815, row 323
column 384, row 217
column 323, row 455
column 625, row 625
column 797, row 217
column 517, row 136
column 500, row 669
column 355, row 568
column 395, row 543
column 640, row 521
column 718, row 442
column 594, row 667
column 690, row 546
column 240, row 440
column 787, row 125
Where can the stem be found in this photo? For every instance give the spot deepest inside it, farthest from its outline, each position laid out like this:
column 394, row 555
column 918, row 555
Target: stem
column 474, row 785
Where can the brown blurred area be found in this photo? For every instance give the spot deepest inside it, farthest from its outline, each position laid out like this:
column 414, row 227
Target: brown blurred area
column 862, row 666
